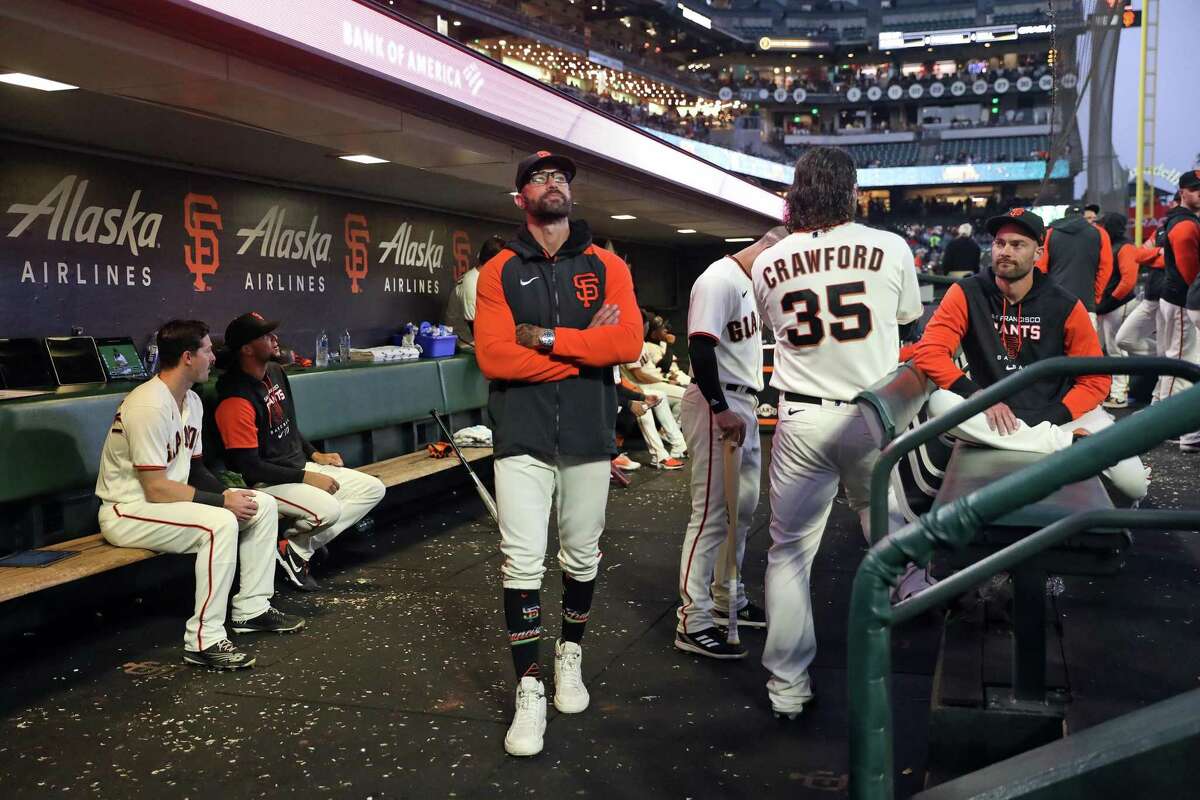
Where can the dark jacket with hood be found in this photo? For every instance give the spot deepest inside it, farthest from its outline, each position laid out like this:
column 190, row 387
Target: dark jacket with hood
column 1078, row 256
column 1181, row 240
column 1119, row 289
column 562, row 402
column 999, row 337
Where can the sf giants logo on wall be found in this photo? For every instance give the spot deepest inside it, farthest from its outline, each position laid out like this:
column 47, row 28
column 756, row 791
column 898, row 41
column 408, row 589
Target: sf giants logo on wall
column 201, row 219
column 461, row 248
column 357, row 237
column 587, row 288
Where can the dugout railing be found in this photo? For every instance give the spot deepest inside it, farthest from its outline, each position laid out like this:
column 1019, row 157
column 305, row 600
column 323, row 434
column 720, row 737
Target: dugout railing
column 954, row 526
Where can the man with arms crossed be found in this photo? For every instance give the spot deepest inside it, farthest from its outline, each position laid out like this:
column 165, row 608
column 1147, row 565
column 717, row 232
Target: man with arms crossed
column 156, row 493
column 835, row 293
column 725, row 349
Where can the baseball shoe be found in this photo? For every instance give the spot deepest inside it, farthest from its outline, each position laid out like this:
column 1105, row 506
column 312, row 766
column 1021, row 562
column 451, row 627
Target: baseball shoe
column 752, row 616
column 295, row 568
column 709, row 642
column 223, row 655
column 679, row 454
column 524, row 737
column 270, row 621
column 1117, row 402
column 624, row 462
column 791, row 707
column 570, row 695
column 668, row 463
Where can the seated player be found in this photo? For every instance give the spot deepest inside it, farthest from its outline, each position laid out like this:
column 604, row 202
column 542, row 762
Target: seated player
column 257, row 420
column 1007, row 318
column 156, row 493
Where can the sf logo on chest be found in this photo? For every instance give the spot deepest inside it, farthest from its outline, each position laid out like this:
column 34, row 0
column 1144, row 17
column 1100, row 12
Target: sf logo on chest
column 743, row 328
column 186, row 439
column 587, row 288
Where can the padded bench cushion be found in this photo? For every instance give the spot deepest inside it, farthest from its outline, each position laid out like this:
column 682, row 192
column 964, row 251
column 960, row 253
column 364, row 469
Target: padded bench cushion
column 338, row 402
column 972, row 468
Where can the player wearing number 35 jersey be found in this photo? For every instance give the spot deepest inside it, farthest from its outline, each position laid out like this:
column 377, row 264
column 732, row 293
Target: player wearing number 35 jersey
column 835, row 294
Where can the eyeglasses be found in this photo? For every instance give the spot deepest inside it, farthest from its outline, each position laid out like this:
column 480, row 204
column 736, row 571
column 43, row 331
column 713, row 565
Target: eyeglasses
column 542, row 178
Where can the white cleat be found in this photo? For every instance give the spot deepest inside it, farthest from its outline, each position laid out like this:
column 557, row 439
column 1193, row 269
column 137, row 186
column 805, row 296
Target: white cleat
column 570, row 695
column 524, row 737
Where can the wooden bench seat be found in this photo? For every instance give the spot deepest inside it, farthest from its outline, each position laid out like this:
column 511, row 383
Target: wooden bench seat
column 96, row 555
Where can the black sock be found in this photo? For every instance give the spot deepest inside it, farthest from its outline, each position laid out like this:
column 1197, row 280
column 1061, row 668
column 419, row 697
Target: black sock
column 523, row 617
column 576, row 607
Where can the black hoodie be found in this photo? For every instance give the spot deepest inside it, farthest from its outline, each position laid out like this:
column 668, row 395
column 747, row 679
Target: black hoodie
column 1078, row 257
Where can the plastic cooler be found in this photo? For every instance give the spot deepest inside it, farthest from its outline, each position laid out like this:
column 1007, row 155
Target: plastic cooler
column 437, row 346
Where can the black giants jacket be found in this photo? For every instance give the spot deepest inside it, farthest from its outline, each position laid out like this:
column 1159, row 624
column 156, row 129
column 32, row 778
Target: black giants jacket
column 562, row 402
column 258, row 427
column 1078, row 256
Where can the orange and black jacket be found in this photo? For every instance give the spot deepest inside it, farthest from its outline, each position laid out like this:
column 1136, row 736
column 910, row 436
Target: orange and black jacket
column 1181, row 254
column 1078, row 255
column 999, row 337
column 257, row 421
column 562, row 402
column 1156, row 276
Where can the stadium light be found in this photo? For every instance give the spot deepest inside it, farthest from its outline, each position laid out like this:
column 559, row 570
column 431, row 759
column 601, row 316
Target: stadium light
column 34, row 82
column 363, row 158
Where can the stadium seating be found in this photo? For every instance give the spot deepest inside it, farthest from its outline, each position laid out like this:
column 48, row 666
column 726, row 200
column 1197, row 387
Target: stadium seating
column 1000, row 148
column 888, row 154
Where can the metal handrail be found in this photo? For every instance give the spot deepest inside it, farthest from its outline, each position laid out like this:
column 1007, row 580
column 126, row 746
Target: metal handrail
column 954, row 526
column 1058, row 367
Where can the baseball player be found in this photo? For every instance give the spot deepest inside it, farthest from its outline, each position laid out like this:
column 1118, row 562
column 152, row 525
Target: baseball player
column 555, row 314
column 257, row 419
column 835, row 294
column 725, row 349
column 155, row 493
column 1139, row 333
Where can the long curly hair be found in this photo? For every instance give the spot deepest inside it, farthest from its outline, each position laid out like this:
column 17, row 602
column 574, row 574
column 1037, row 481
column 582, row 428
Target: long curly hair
column 824, row 190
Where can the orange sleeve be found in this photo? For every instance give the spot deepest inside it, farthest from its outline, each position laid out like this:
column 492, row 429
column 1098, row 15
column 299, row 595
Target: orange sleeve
column 1127, row 264
column 908, row 352
column 496, row 348
column 1104, row 272
column 606, row 345
column 934, row 354
column 1185, row 242
column 1043, row 262
column 1080, row 340
column 235, row 421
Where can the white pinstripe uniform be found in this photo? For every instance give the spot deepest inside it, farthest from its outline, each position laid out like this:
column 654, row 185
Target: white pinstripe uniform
column 151, row 432
column 723, row 308
column 835, row 300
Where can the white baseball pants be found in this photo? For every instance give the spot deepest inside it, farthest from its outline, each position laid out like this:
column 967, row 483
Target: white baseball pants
column 649, row 424
column 1180, row 340
column 1110, row 326
column 221, row 544
column 1129, row 476
column 670, row 392
column 1137, row 335
column 703, row 562
column 815, row 448
column 315, row 517
column 526, row 486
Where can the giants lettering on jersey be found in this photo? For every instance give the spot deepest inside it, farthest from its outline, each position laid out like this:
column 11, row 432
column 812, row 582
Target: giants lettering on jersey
column 188, row 439
column 280, row 427
column 1025, row 327
column 740, row 329
column 823, row 259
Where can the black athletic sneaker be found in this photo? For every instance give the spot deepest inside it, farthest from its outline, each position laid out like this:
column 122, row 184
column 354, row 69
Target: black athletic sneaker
column 295, row 567
column 751, row 616
column 708, row 642
column 223, row 655
column 270, row 621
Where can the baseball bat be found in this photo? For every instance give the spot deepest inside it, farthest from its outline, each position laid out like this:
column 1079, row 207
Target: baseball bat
column 484, row 494
column 731, row 466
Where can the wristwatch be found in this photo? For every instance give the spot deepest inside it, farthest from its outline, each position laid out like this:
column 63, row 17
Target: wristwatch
column 546, row 340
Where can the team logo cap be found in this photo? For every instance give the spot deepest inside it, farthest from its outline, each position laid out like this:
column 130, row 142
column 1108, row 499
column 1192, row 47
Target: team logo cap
column 247, row 328
column 543, row 158
column 1028, row 221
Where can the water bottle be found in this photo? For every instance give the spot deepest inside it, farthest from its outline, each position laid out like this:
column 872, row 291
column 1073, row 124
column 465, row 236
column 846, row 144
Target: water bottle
column 344, row 347
column 152, row 355
column 323, row 350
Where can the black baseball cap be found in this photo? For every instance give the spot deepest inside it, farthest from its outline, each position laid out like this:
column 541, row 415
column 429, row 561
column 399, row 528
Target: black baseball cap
column 1028, row 221
column 1074, row 210
column 543, row 158
column 1190, row 179
column 246, row 329
column 1092, row 207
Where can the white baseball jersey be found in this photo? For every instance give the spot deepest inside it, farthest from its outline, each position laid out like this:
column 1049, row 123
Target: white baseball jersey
column 149, row 433
column 723, row 307
column 835, row 300
column 648, row 361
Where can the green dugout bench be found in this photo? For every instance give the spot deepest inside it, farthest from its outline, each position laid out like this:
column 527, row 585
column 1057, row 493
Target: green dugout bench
column 374, row 415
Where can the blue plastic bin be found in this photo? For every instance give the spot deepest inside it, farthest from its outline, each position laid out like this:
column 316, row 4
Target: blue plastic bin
column 437, row 346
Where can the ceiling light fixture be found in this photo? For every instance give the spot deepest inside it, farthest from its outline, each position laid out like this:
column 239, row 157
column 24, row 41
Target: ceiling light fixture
column 363, row 158
column 623, row 216
column 686, row 230
column 34, row 82
column 740, row 239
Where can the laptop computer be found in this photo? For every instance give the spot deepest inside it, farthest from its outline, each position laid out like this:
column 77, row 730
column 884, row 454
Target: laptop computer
column 120, row 358
column 75, row 360
column 25, row 368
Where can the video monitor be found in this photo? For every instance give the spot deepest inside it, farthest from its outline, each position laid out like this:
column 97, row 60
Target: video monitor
column 25, row 364
column 120, row 358
column 75, row 360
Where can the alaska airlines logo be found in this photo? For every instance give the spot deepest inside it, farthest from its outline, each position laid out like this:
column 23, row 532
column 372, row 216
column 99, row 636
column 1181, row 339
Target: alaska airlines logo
column 201, row 220
column 357, row 237
column 72, row 221
column 404, row 249
column 275, row 240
